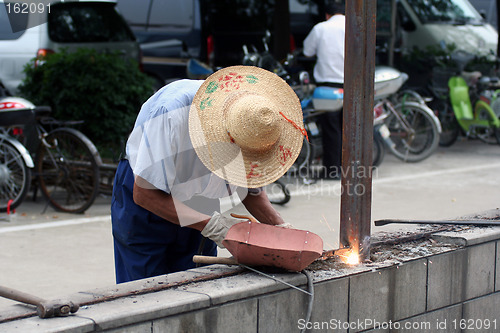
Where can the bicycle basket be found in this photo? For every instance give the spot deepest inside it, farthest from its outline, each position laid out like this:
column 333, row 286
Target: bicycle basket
column 441, row 76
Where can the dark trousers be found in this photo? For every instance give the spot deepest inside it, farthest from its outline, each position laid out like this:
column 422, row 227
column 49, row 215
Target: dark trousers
column 146, row 245
column 331, row 135
column 331, row 127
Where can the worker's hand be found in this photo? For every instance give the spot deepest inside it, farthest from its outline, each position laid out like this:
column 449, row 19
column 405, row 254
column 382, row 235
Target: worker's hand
column 218, row 226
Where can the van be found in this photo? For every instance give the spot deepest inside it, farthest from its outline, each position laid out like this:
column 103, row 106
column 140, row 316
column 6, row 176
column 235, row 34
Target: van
column 423, row 23
column 52, row 25
column 172, row 32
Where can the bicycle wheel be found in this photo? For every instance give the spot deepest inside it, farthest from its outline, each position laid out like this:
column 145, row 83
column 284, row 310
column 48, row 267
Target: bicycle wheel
column 15, row 176
column 277, row 193
column 421, row 140
column 67, row 170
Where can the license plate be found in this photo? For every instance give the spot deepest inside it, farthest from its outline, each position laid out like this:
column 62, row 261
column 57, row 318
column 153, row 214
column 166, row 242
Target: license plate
column 313, row 128
column 384, row 131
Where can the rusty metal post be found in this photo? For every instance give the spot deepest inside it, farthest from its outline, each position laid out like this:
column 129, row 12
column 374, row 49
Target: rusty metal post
column 357, row 140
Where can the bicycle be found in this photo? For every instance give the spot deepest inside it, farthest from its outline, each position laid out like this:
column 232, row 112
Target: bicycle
column 65, row 162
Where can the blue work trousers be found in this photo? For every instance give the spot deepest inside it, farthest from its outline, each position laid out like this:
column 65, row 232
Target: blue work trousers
column 145, row 244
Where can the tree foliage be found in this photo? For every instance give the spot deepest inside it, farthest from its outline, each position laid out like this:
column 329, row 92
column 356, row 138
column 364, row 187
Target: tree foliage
column 105, row 90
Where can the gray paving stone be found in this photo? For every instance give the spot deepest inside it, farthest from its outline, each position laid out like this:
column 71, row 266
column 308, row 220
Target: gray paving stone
column 134, row 328
column 409, row 288
column 282, row 312
column 482, row 312
column 474, row 236
column 330, row 304
column 231, row 318
column 497, row 268
column 389, row 294
column 71, row 324
column 446, row 279
column 370, row 294
column 243, row 286
column 142, row 308
column 481, row 270
column 157, row 283
column 439, row 321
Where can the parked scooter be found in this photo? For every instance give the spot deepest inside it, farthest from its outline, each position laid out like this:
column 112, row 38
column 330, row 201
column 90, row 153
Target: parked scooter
column 475, row 103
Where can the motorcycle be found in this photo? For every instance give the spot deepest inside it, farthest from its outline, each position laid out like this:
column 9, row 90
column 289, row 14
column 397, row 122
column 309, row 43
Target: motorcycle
column 321, row 100
column 403, row 124
column 466, row 103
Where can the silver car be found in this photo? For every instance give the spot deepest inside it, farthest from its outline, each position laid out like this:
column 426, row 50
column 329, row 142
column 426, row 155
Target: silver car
column 30, row 31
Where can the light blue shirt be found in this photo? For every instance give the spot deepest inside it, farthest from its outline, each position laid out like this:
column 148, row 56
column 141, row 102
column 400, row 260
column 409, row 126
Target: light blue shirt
column 159, row 148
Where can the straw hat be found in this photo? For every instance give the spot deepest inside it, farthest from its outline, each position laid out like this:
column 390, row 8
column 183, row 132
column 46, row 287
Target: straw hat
column 246, row 125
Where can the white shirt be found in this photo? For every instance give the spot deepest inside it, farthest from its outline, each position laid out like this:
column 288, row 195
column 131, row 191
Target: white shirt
column 327, row 41
column 160, row 151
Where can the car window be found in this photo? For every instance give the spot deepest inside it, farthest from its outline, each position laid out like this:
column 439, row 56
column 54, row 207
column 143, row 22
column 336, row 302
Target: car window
column 87, row 22
column 244, row 15
column 445, row 11
column 8, row 26
column 176, row 14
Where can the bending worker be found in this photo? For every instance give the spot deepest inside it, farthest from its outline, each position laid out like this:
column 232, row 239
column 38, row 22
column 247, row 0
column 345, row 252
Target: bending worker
column 193, row 143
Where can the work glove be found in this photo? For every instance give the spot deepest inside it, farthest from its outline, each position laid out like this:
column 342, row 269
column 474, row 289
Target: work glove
column 218, row 226
column 286, row 225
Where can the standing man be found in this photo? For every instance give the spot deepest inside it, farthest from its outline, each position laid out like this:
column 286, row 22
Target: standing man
column 326, row 41
column 193, row 143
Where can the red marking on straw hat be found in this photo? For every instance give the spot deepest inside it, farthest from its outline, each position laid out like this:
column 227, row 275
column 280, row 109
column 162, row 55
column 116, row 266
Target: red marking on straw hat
column 251, row 174
column 284, row 154
column 302, row 130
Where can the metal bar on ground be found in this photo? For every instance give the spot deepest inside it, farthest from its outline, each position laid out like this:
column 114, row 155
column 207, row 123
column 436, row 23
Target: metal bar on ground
column 359, row 66
column 485, row 222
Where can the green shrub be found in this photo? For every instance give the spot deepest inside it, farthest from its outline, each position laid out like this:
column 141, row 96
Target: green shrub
column 104, row 90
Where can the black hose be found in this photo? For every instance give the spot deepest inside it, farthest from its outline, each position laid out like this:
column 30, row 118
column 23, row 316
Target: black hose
column 310, row 289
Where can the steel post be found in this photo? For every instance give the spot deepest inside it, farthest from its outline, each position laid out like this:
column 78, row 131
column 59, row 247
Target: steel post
column 357, row 140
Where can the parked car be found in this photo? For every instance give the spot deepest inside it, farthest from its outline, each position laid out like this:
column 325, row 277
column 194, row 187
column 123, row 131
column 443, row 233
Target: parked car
column 56, row 25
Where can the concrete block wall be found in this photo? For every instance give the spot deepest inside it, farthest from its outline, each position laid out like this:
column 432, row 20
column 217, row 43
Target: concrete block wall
column 454, row 291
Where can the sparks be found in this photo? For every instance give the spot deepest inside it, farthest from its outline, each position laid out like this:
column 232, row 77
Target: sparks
column 351, row 259
column 349, row 256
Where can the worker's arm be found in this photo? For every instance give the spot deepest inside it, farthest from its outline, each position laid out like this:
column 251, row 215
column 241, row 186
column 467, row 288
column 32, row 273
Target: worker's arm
column 260, row 207
column 214, row 227
column 167, row 207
